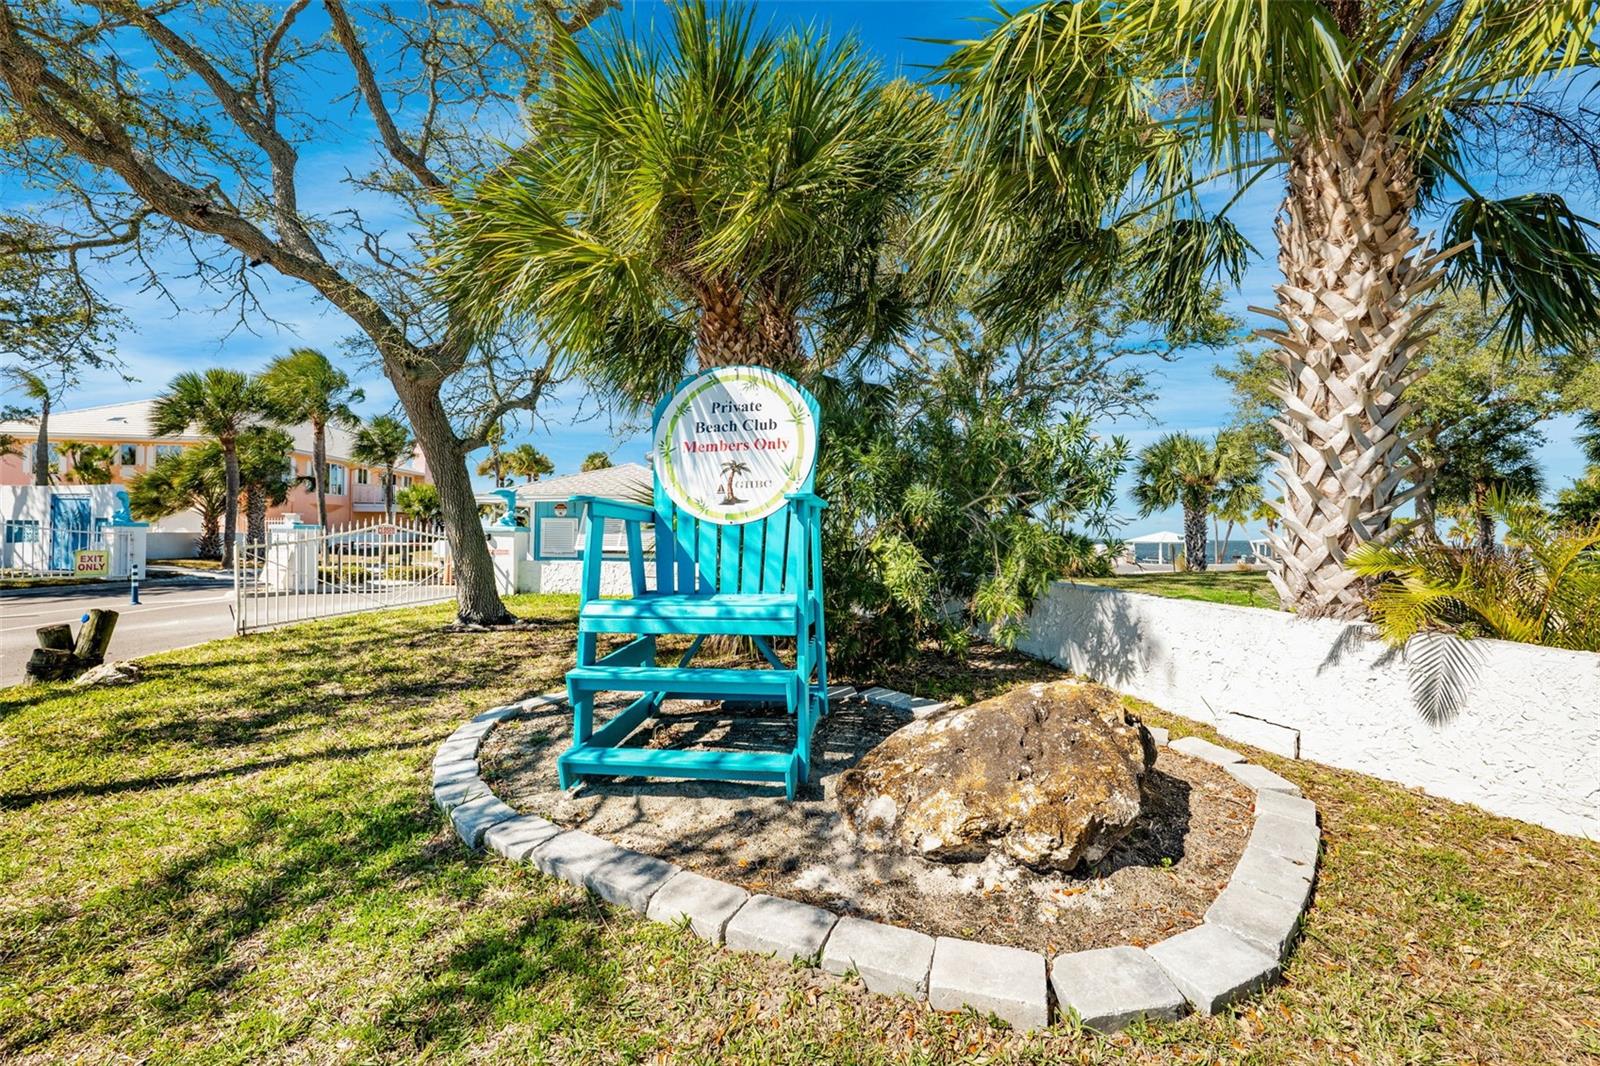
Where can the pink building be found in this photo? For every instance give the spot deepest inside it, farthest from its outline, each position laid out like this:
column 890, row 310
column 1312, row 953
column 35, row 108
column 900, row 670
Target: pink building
column 354, row 490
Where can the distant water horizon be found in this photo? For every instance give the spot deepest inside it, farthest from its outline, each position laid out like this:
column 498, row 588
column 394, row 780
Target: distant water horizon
column 1149, row 553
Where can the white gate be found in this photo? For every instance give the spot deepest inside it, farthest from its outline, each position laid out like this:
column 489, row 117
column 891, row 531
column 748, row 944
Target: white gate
column 308, row 572
column 31, row 548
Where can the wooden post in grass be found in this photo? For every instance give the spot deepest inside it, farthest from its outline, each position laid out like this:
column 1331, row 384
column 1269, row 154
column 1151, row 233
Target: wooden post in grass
column 57, row 657
column 56, row 637
column 94, row 638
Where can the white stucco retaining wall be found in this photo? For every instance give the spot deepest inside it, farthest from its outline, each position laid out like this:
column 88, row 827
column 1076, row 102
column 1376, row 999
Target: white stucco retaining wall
column 616, row 578
column 1525, row 743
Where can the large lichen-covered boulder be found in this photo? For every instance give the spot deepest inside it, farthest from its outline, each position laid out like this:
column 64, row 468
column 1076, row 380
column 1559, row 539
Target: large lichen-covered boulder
column 1049, row 774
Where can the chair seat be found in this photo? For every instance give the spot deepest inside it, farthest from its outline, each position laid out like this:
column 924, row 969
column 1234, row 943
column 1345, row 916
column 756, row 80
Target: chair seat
column 724, row 612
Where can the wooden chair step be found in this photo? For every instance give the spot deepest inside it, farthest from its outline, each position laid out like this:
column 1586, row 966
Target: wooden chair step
column 657, row 762
column 709, row 681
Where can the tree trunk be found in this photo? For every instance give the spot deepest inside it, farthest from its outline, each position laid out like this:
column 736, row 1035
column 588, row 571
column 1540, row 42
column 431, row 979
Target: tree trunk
column 722, row 337
column 41, row 447
column 780, row 335
column 1483, row 518
column 1427, row 511
column 255, row 510
column 477, row 599
column 210, row 543
column 388, row 492
column 230, row 511
column 1354, row 272
column 1194, row 538
column 319, row 462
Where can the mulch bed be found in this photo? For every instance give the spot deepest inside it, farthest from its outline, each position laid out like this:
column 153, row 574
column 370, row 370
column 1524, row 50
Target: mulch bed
column 1158, row 881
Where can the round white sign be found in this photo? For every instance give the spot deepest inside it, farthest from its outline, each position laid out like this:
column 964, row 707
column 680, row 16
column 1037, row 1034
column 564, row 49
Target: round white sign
column 733, row 442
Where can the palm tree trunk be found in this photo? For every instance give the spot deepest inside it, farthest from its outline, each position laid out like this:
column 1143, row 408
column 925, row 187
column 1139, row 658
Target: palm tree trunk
column 230, row 512
column 255, row 510
column 41, row 447
column 722, row 337
column 210, row 544
column 319, row 460
column 1194, row 537
column 1354, row 270
column 388, row 492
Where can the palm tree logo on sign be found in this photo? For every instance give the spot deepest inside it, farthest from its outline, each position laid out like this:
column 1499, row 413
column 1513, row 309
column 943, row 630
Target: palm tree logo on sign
column 733, row 468
column 732, row 443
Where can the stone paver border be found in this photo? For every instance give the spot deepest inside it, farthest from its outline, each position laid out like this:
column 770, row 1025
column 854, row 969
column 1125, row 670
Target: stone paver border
column 1239, row 949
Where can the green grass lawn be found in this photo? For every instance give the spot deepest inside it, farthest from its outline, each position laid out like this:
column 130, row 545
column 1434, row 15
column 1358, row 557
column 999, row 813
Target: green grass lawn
column 187, row 564
column 236, row 861
column 48, row 582
column 1242, row 588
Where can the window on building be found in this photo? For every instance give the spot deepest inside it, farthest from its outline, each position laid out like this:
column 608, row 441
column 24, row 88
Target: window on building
column 164, row 450
column 22, row 531
column 361, row 475
column 128, row 454
column 615, row 538
column 335, row 480
column 405, row 482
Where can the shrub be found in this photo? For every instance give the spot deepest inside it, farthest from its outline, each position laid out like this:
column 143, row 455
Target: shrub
column 951, row 496
column 345, row 574
column 1541, row 587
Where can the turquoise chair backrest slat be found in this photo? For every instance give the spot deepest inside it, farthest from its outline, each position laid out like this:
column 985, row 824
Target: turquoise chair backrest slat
column 695, row 556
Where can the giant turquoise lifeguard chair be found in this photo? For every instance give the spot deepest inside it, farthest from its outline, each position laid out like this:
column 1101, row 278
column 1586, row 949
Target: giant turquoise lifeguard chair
column 737, row 551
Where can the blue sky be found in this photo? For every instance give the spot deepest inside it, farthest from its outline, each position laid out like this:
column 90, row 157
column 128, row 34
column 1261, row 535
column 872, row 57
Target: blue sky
column 164, row 341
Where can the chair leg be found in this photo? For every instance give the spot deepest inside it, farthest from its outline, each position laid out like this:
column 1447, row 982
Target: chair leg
column 582, row 716
column 822, row 670
column 804, row 722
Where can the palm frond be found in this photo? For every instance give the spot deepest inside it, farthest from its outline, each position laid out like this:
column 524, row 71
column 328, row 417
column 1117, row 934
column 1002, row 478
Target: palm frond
column 1535, row 256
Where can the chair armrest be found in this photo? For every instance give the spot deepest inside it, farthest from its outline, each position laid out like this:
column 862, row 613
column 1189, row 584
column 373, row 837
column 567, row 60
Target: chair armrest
column 605, row 507
column 809, row 499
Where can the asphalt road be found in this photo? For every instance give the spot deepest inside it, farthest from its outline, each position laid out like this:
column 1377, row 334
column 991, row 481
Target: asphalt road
column 168, row 616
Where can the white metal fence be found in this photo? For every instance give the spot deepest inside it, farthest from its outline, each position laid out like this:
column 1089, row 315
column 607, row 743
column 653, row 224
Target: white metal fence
column 315, row 573
column 39, row 548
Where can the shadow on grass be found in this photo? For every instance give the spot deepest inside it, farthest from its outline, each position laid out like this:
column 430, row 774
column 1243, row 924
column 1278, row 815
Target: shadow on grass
column 521, row 968
column 22, row 800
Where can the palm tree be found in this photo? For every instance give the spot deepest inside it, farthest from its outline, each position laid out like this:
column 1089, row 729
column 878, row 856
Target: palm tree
column 304, row 386
column 1185, row 470
column 595, row 461
column 384, row 441
column 266, row 473
column 733, row 468
column 706, row 196
column 419, row 502
column 1087, row 132
column 529, row 462
column 34, row 387
column 88, row 464
column 221, row 404
column 188, row 480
